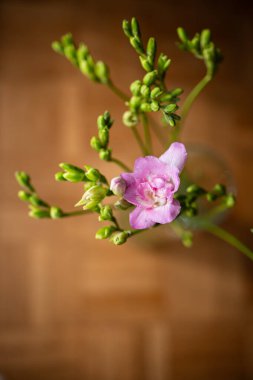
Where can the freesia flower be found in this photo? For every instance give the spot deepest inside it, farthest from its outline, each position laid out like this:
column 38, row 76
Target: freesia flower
column 152, row 185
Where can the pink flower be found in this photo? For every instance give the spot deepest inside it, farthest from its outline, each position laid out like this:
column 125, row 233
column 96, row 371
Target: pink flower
column 152, row 185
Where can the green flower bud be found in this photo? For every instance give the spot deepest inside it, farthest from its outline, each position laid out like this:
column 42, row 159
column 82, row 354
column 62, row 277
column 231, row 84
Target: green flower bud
column 38, row 214
column 86, row 69
column 177, row 91
column 210, row 196
column 56, row 212
column 24, row 180
column 151, row 49
column 74, row 177
column 127, row 28
column 155, row 93
column 92, row 197
column 137, row 45
column 105, row 154
column 71, row 168
column 70, row 53
column 195, row 189
column 24, row 196
column 105, row 232
column 82, row 53
column 150, row 78
column 101, row 123
column 130, row 119
column 36, row 201
column 103, row 135
column 182, row 35
column 135, row 102
column 93, row 175
column 147, row 66
column 135, row 27
column 96, row 144
column 146, row 107
column 57, row 47
column 163, row 64
column 155, row 106
column 59, row 176
column 219, row 189
column 119, row 238
column 106, row 213
column 196, row 42
column 170, row 108
column 67, row 39
column 102, row 72
column 170, row 119
column 135, row 87
column 230, row 200
column 205, row 38
column 145, row 91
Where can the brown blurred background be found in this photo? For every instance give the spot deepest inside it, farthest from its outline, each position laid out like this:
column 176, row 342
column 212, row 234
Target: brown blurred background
column 75, row 308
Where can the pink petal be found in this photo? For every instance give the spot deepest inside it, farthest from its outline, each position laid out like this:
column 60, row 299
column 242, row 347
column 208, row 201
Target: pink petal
column 141, row 218
column 175, row 156
column 147, row 165
column 167, row 213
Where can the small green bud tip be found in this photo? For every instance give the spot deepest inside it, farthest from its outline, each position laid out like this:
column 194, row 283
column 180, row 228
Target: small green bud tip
column 103, row 135
column 195, row 189
column 56, row 212
column 24, row 196
column 57, row 47
column 67, row 39
column 150, row 78
column 135, row 27
column 170, row 108
column 105, row 154
column 92, row 197
column 93, row 175
column 219, row 189
column 151, row 48
column 119, row 238
column 205, row 38
column 36, row 201
column 105, row 232
column 102, row 72
column 39, row 214
column 95, row 143
column 147, row 66
column 182, row 34
column 74, row 177
column 59, row 176
column 71, row 168
column 130, row 119
column 127, row 28
column 106, row 213
column 230, row 200
column 23, row 180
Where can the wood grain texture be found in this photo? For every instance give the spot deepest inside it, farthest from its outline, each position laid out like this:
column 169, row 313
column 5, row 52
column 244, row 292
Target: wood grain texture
column 75, row 308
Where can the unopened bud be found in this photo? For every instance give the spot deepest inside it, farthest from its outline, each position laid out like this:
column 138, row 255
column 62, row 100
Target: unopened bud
column 130, row 119
column 118, row 186
column 105, row 232
column 127, row 28
column 135, row 87
column 95, row 143
column 93, row 174
column 57, row 47
column 102, row 72
column 74, row 177
column 230, row 200
column 149, row 78
column 56, row 212
column 24, row 180
column 59, row 176
column 24, row 196
column 106, row 213
column 119, row 238
column 147, row 66
column 105, row 154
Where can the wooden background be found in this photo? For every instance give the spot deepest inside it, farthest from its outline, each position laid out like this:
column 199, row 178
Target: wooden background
column 75, row 308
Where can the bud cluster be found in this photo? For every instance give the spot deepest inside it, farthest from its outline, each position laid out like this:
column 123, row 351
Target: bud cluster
column 201, row 47
column 100, row 142
column 188, row 201
column 38, row 208
column 80, row 57
column 150, row 95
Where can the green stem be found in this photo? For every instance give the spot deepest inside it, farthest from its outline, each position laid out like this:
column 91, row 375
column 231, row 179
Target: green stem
column 188, row 103
column 76, row 213
column 148, row 141
column 139, row 140
column 120, row 163
column 117, row 91
column 228, row 238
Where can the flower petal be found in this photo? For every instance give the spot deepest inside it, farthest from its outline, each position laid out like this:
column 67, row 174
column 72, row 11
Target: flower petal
column 167, row 213
column 175, row 156
column 140, row 218
column 144, row 166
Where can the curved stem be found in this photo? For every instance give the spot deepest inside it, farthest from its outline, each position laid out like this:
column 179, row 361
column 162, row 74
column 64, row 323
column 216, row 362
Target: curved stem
column 117, row 91
column 188, row 103
column 139, row 140
column 120, row 163
column 228, row 238
column 148, row 141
